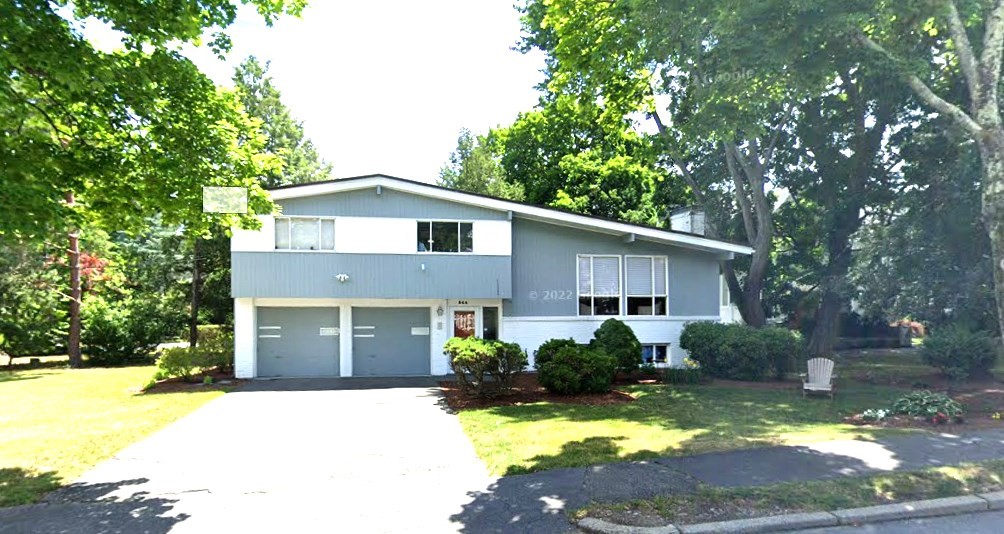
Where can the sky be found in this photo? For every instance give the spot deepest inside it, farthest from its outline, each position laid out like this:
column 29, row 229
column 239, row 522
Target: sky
column 384, row 86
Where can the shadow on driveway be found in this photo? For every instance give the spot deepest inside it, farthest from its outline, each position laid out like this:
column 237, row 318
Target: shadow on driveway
column 92, row 508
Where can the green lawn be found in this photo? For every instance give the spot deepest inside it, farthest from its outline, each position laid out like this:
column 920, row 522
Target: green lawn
column 57, row 423
column 722, row 504
column 664, row 421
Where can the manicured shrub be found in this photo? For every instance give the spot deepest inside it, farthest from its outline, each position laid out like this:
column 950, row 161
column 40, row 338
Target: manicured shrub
column 177, row 362
column 740, row 352
column 785, row 348
column 937, row 407
column 485, row 367
column 575, row 370
column 125, row 331
column 215, row 350
column 549, row 349
column 618, row 340
column 959, row 353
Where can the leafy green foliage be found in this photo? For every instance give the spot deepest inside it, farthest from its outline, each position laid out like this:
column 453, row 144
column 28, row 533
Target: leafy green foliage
column 960, row 353
column 177, row 362
column 937, row 407
column 683, row 375
column 569, row 156
column 124, row 331
column 618, row 340
column 284, row 136
column 32, row 315
column 549, row 348
column 474, row 167
column 485, row 367
column 740, row 352
column 215, row 351
column 575, row 370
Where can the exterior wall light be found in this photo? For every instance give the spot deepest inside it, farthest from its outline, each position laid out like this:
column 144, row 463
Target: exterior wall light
column 342, row 277
column 440, row 311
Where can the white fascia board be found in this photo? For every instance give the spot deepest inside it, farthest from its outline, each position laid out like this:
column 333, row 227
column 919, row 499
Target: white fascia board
column 543, row 214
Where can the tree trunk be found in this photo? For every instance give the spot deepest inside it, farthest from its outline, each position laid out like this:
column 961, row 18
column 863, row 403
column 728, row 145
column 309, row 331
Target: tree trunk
column 73, row 343
column 193, row 319
column 827, row 324
column 992, row 154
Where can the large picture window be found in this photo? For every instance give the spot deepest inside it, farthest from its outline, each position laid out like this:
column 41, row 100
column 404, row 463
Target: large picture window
column 599, row 285
column 646, row 285
column 445, row 236
column 304, row 233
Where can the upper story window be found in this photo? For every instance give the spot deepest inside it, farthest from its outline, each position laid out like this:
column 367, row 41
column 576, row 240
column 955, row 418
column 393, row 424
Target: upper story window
column 646, row 285
column 445, row 236
column 599, row 285
column 304, row 233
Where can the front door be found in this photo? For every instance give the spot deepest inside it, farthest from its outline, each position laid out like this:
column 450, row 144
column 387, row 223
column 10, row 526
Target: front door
column 465, row 322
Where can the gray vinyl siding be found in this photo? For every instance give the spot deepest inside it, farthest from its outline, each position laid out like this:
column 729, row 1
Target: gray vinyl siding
column 305, row 274
column 389, row 203
column 544, row 270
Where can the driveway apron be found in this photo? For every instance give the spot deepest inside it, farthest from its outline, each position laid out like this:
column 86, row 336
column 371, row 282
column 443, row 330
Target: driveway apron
column 303, row 459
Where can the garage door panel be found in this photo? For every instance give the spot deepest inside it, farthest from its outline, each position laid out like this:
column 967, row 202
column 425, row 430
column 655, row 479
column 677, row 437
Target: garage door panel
column 298, row 342
column 390, row 341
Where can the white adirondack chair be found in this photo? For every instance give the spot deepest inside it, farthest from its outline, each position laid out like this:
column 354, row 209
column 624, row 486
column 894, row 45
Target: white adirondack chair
column 819, row 378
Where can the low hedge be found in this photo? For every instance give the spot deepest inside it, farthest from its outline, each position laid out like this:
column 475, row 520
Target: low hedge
column 578, row 369
column 740, row 352
column 485, row 367
column 549, row 348
column 959, row 353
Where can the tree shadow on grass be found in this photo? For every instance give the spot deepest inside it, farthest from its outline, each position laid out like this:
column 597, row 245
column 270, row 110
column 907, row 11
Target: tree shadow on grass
column 82, row 507
column 696, row 419
column 15, row 377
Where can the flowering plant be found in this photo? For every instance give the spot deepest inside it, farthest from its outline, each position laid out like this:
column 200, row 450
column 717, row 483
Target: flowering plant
column 691, row 364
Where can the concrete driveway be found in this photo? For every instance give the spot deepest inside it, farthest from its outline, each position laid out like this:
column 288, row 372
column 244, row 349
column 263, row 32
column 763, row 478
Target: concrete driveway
column 281, row 456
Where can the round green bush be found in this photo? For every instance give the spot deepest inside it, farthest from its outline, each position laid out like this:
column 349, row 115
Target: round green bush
column 740, row 352
column 618, row 340
column 959, row 353
column 549, row 348
column 575, row 370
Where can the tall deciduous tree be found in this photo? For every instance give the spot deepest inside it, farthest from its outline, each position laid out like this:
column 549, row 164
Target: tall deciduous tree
column 920, row 39
column 633, row 56
column 474, row 167
column 569, row 156
column 110, row 139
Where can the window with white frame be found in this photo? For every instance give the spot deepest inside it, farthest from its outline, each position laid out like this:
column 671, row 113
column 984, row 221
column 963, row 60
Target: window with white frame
column 646, row 285
column 656, row 354
column 445, row 236
column 599, row 285
column 304, row 233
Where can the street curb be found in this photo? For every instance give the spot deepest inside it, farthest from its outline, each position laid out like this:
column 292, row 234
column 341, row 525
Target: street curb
column 599, row 526
column 854, row 516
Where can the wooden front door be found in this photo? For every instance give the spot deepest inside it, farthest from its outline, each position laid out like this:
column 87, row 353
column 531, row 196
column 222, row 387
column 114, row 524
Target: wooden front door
column 464, row 323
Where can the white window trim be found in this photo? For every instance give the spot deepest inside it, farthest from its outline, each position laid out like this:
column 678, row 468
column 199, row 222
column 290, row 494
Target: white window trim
column 592, row 280
column 459, row 222
column 653, row 295
column 289, row 233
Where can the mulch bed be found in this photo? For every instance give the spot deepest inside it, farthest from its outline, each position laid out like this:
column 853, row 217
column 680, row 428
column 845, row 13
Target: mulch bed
column 981, row 401
column 221, row 381
column 526, row 390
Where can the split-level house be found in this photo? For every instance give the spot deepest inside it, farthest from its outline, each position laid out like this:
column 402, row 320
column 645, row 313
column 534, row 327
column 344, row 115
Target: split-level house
column 370, row 276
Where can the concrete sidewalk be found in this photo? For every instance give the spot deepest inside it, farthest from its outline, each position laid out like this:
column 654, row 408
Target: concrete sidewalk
column 538, row 502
